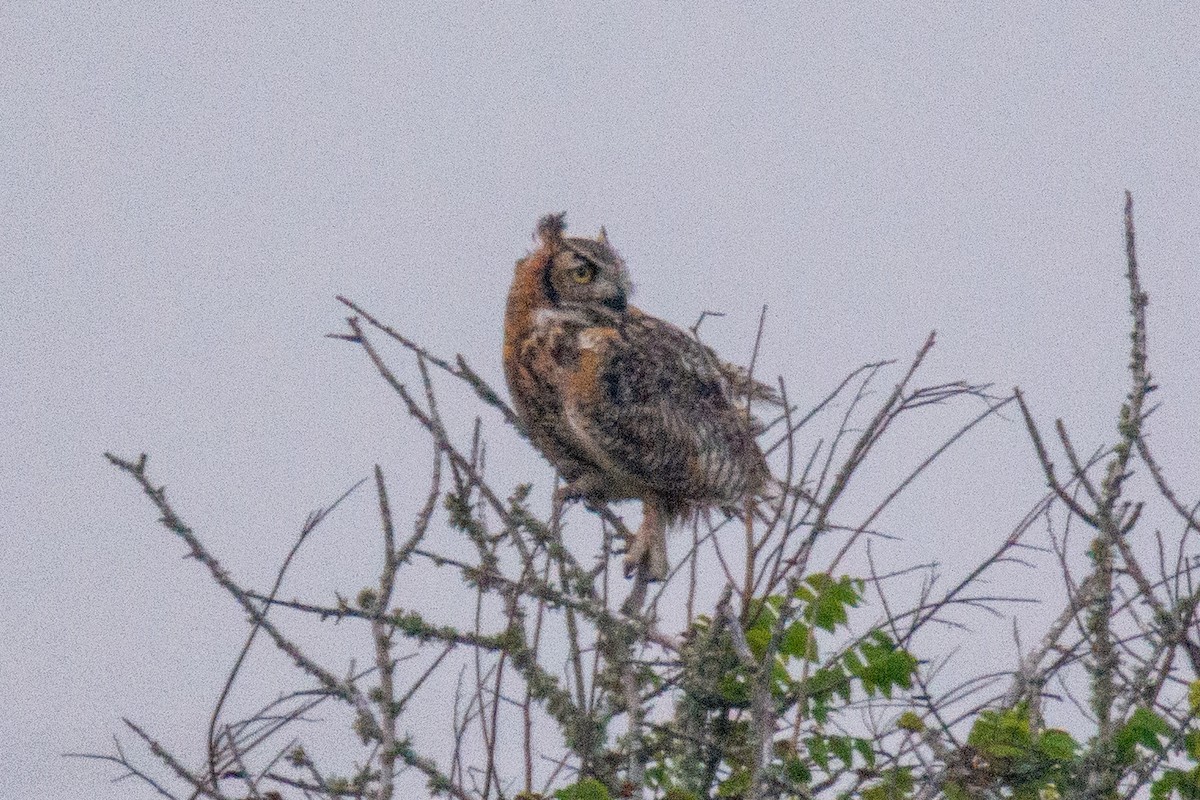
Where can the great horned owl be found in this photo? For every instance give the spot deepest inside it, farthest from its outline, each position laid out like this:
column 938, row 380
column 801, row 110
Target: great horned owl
column 625, row 405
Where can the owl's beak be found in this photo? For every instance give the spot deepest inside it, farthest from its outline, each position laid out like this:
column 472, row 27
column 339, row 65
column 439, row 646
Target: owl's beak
column 617, row 302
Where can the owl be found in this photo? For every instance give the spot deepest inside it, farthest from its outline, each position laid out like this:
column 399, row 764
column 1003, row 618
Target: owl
column 624, row 405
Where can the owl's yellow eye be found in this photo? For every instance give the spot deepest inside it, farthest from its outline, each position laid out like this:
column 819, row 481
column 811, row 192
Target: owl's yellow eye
column 584, row 273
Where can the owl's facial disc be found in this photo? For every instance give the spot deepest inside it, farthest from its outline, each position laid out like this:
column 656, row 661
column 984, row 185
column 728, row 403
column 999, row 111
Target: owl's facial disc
column 578, row 277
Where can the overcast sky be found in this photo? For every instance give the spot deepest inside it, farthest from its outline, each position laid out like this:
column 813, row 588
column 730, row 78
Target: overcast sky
column 184, row 187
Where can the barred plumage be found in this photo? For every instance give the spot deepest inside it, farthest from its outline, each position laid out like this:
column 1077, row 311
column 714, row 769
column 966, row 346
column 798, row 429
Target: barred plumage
column 624, row 405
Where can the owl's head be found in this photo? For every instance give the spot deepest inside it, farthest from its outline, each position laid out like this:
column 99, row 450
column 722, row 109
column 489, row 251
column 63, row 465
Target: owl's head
column 582, row 272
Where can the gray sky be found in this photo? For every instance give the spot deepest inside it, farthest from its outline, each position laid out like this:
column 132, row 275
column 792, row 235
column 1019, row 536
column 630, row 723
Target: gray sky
column 185, row 187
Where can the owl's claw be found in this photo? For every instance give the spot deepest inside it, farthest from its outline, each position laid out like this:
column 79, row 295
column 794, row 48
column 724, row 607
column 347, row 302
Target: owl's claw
column 588, row 489
column 647, row 555
column 647, row 558
column 634, row 556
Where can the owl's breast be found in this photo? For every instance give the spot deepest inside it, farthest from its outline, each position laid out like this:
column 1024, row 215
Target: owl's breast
column 539, row 367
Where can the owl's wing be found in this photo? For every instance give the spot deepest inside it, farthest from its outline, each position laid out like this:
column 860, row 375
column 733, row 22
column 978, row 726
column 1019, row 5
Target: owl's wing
column 654, row 404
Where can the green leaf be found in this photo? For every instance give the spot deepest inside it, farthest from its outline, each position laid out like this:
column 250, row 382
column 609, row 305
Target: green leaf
column 843, row 689
column 1145, row 728
column 828, row 599
column 758, row 637
column 1165, row 786
column 897, row 784
column 886, row 666
column 1001, row 734
column 586, row 789
column 734, row 688
column 1191, row 743
column 781, row 681
column 864, row 749
column 841, row 747
column 796, row 771
column 679, row 794
column 818, row 751
column 824, row 682
column 910, row 721
column 1194, row 697
column 1177, row 783
column 799, row 643
column 955, row 792
column 1057, row 745
column 736, row 785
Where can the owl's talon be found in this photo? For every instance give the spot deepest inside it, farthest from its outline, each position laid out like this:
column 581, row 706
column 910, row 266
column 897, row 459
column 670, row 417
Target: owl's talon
column 588, row 489
column 635, row 556
column 649, row 561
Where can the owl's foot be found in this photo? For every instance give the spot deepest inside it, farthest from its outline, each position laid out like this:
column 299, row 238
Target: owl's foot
column 634, row 556
column 647, row 552
column 649, row 561
column 588, row 489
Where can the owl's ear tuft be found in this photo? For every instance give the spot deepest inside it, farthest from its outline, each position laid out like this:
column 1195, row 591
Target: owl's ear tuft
column 603, row 237
column 550, row 227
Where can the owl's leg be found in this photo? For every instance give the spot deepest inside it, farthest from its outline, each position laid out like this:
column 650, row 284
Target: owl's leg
column 648, row 550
